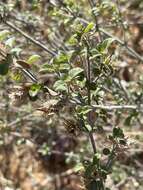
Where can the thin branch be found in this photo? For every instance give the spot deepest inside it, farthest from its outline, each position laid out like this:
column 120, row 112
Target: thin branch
column 29, row 74
column 30, row 38
column 121, row 20
column 66, row 173
column 18, row 120
column 56, row 43
column 118, row 107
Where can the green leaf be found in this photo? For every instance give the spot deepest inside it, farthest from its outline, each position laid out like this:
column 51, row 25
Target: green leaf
column 89, row 170
column 118, row 132
column 103, row 46
column 44, row 149
column 4, row 34
column 96, row 159
column 16, row 51
column 123, row 142
column 64, row 67
column 128, row 121
column 96, row 11
column 4, row 64
column 33, row 59
column 83, row 110
column 47, row 68
column 92, row 85
column 72, row 40
column 34, row 89
column 95, row 56
column 130, row 118
column 96, row 71
column 75, row 72
column 78, row 167
column 16, row 75
column 79, row 28
column 88, row 127
column 89, row 27
column 60, row 85
column 111, row 70
column 10, row 42
column 61, row 58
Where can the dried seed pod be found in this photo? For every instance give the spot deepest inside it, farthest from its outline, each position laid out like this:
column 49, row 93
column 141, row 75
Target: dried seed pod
column 48, row 112
column 18, row 95
column 49, row 108
column 71, row 127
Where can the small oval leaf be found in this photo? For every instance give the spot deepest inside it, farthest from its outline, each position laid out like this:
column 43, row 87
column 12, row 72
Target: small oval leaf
column 33, row 59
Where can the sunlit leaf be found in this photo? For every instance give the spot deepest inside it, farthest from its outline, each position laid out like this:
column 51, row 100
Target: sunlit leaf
column 16, row 51
column 75, row 72
column 60, row 85
column 4, row 34
column 79, row 167
column 103, row 46
column 10, row 42
column 96, row 158
column 33, row 59
column 89, row 27
column 83, row 109
column 72, row 40
column 61, row 58
column 64, row 67
column 47, row 68
column 34, row 89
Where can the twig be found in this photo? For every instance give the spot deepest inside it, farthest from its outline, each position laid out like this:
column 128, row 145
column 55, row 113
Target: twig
column 121, row 20
column 30, row 38
column 18, row 120
column 123, row 182
column 58, row 176
column 115, row 107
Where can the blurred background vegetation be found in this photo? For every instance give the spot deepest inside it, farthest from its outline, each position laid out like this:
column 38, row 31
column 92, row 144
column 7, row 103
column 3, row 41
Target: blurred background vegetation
column 37, row 151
